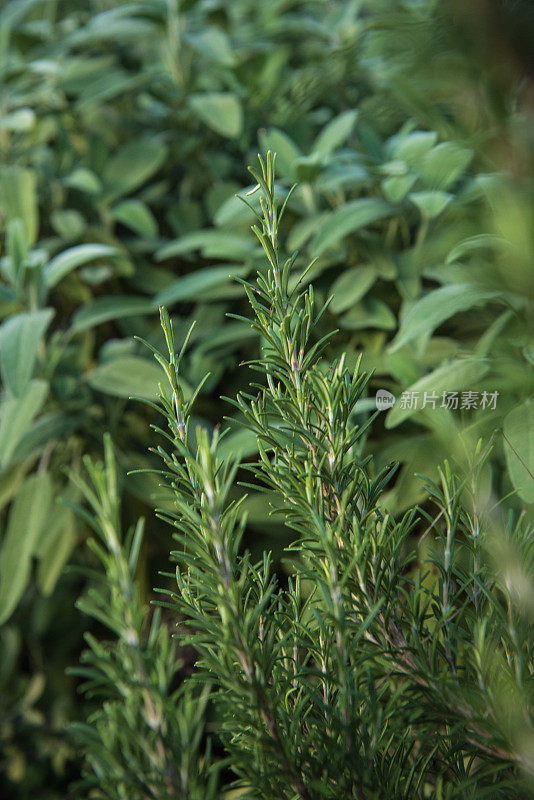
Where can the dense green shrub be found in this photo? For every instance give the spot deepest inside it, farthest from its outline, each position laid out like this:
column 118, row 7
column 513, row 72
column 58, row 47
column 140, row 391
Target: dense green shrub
column 125, row 127
column 115, row 157
column 373, row 672
column 145, row 739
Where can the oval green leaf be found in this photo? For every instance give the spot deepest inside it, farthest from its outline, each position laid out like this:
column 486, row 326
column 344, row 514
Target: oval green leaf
column 434, row 308
column 127, row 376
column 347, row 219
column 104, row 309
column 221, row 111
column 457, row 375
column 19, row 340
column 519, row 448
column 27, row 518
column 65, row 262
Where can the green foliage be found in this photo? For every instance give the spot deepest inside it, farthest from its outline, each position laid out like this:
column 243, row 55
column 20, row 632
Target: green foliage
column 394, row 265
column 377, row 670
column 145, row 739
column 124, row 130
column 117, row 142
column 24, row 536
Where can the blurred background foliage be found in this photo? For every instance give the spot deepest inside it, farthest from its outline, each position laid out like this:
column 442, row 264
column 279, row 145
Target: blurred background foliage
column 125, row 132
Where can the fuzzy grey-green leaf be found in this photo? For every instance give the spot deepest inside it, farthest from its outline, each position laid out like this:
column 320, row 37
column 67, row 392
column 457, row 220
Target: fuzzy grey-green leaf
column 128, row 376
column 16, row 415
column 430, row 311
column 74, row 257
column 347, row 219
column 221, row 111
column 26, row 521
column 20, row 337
column 519, row 448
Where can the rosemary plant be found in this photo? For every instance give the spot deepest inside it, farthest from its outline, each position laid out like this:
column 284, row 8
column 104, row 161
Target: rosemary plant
column 364, row 672
column 145, row 740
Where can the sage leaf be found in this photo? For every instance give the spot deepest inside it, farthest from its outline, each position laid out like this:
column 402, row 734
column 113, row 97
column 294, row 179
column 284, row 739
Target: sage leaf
column 19, row 341
column 136, row 216
column 16, row 415
column 104, row 309
column 68, row 260
column 430, row 311
column 221, row 111
column 128, row 376
column 132, row 165
column 27, row 518
column 347, row 219
column 459, row 374
column 518, row 429
column 335, row 133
